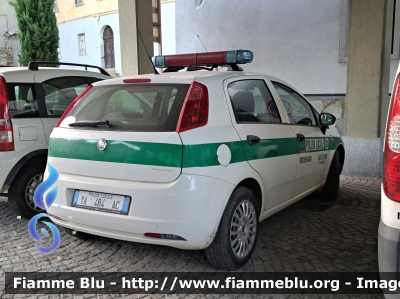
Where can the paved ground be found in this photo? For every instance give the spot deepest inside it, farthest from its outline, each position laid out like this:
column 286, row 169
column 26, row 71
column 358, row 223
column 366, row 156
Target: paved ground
column 312, row 235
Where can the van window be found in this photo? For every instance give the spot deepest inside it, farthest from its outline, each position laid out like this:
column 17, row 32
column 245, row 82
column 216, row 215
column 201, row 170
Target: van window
column 22, row 100
column 60, row 92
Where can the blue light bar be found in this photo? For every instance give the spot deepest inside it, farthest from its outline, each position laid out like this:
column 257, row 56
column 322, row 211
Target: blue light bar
column 239, row 56
column 159, row 61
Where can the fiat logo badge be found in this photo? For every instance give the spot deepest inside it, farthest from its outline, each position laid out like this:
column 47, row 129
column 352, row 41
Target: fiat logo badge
column 102, row 144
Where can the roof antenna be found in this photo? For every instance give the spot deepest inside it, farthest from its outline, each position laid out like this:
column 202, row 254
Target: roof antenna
column 212, row 68
column 151, row 61
column 202, row 43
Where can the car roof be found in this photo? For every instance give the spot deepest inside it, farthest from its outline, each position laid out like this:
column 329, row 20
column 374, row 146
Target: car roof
column 185, row 77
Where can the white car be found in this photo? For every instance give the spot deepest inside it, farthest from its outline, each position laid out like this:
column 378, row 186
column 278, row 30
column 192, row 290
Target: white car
column 389, row 227
column 192, row 160
column 32, row 99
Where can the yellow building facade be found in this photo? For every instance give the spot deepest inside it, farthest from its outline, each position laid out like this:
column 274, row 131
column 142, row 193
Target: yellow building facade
column 69, row 10
column 107, row 33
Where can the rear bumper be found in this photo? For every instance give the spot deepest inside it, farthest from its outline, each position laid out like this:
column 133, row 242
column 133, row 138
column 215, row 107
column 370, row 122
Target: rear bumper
column 388, row 248
column 7, row 161
column 190, row 207
column 388, row 254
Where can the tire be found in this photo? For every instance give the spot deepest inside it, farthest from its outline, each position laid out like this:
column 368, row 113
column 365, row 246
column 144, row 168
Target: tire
column 76, row 234
column 225, row 251
column 20, row 194
column 331, row 189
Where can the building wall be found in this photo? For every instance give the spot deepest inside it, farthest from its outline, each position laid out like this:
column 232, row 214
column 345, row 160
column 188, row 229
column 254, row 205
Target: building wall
column 92, row 27
column 91, row 18
column 168, row 27
column 67, row 11
column 9, row 45
column 296, row 41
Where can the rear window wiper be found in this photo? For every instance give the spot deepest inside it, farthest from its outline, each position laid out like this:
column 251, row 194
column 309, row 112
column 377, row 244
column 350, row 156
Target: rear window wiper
column 91, row 124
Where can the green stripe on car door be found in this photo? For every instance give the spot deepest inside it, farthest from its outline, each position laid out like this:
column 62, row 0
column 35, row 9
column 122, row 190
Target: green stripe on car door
column 269, row 148
column 202, row 155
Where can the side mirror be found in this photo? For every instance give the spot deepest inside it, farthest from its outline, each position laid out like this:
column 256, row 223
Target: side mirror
column 326, row 119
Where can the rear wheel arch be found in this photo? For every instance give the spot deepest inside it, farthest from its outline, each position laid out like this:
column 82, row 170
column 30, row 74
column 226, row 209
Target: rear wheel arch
column 255, row 188
column 33, row 158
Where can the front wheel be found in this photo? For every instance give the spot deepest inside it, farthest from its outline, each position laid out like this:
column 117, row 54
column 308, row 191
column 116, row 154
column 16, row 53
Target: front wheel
column 20, row 194
column 237, row 232
column 331, row 189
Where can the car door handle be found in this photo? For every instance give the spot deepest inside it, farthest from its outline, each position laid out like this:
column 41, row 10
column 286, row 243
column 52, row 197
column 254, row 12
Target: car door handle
column 300, row 137
column 253, row 140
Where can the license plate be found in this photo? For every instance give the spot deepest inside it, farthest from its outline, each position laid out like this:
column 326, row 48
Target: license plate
column 110, row 203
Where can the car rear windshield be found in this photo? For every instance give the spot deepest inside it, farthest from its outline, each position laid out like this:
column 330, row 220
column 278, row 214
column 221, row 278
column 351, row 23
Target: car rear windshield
column 130, row 107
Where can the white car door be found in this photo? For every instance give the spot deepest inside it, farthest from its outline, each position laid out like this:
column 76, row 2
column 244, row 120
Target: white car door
column 312, row 144
column 269, row 145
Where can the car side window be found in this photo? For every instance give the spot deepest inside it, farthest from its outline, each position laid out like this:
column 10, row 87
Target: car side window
column 22, row 100
column 316, row 114
column 60, row 92
column 252, row 102
column 297, row 108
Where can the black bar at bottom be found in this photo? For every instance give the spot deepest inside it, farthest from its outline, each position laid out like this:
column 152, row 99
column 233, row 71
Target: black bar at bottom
column 200, row 283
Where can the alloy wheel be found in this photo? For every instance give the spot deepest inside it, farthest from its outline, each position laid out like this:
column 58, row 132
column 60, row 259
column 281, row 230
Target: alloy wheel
column 30, row 191
column 243, row 229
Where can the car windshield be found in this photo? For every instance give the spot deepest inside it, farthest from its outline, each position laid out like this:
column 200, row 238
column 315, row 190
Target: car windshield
column 130, row 107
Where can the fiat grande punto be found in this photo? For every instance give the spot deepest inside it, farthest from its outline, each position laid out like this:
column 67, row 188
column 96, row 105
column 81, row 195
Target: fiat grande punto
column 193, row 158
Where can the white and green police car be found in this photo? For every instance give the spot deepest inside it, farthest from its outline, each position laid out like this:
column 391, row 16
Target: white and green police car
column 190, row 159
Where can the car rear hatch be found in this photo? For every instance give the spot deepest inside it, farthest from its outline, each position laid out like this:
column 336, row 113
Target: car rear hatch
column 125, row 131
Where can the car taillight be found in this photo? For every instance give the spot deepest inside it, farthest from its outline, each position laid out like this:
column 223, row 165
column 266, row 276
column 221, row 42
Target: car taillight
column 391, row 166
column 72, row 105
column 194, row 112
column 6, row 132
